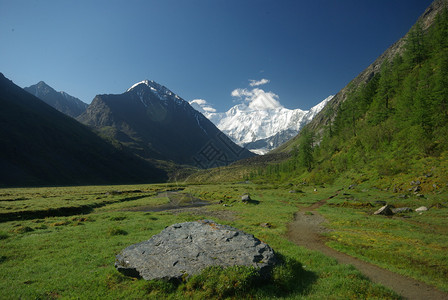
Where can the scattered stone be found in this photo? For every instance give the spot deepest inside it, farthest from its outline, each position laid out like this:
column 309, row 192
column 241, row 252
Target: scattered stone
column 226, row 205
column 417, row 189
column 386, row 210
column 420, row 195
column 352, row 186
column 266, row 225
column 315, row 190
column 404, row 196
column 417, row 182
column 185, row 249
column 292, row 191
column 421, row 209
column 402, row 210
column 428, row 175
column 245, row 198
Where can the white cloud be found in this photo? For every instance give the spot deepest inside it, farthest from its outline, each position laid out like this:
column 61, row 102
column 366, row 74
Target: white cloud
column 209, row 109
column 258, row 82
column 258, row 98
column 202, row 105
column 198, row 101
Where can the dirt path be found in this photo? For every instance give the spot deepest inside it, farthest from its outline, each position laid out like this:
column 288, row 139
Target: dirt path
column 306, row 231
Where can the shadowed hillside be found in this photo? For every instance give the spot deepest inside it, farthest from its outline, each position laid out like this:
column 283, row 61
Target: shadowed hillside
column 41, row 146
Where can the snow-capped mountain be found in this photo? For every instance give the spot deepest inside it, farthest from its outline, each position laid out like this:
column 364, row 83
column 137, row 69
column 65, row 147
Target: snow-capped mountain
column 155, row 123
column 261, row 125
column 62, row 101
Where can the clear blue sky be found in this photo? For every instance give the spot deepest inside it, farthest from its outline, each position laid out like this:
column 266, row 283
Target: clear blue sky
column 199, row 48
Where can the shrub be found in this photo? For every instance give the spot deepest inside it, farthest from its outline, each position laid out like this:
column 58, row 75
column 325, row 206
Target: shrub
column 23, row 229
column 60, row 223
column 116, row 231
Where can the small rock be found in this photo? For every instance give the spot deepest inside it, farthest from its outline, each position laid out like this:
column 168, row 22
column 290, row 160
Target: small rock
column 417, row 189
column 315, row 190
column 404, row 196
column 352, row 186
column 266, row 225
column 417, row 182
column 421, row 209
column 420, row 195
column 292, row 191
column 386, row 210
column 245, row 198
column 401, row 210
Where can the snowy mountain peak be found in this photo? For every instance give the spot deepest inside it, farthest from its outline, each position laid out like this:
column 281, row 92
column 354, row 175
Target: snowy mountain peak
column 261, row 123
column 161, row 91
column 154, row 86
column 145, row 82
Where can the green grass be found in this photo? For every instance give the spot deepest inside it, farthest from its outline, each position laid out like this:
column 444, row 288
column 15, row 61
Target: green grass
column 410, row 244
column 73, row 256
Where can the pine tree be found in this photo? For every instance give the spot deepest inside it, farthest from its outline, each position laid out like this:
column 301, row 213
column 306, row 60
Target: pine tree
column 306, row 150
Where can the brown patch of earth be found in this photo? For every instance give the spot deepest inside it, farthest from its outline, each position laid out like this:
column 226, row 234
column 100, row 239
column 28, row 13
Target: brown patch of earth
column 186, row 203
column 306, row 230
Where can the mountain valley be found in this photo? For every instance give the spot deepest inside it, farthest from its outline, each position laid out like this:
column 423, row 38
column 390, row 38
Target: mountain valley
column 351, row 195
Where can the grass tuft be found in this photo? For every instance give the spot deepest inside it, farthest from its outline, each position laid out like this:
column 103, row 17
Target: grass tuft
column 116, row 231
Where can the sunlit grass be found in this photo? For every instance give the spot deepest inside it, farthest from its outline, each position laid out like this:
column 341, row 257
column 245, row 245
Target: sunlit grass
column 73, row 256
column 411, row 244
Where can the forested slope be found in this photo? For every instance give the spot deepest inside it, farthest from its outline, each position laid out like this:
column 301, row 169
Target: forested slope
column 394, row 121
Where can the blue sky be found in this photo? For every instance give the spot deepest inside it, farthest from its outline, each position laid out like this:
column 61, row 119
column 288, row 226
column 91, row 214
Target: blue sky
column 200, row 49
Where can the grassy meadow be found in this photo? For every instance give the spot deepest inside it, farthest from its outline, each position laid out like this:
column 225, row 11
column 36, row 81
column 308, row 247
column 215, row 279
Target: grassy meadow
column 61, row 242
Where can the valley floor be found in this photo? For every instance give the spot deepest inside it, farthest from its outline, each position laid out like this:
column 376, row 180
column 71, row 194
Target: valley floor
column 62, row 242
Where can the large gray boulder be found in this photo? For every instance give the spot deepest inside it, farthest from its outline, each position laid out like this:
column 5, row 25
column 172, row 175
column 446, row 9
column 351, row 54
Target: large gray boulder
column 185, row 249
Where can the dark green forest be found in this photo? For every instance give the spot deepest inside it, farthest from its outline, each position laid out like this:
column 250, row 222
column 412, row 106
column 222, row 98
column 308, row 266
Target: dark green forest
column 396, row 123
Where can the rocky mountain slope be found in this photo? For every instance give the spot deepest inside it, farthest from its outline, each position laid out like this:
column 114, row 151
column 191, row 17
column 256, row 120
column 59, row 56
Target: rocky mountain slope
column 154, row 122
column 42, row 146
column 62, row 101
column 261, row 125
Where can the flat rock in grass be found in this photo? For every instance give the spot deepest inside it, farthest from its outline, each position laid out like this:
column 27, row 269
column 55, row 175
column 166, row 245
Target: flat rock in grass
column 386, row 210
column 421, row 208
column 185, row 249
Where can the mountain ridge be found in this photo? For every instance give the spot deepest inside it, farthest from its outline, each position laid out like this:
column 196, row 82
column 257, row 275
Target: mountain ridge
column 42, row 146
column 260, row 126
column 154, row 122
column 62, row 101
column 328, row 115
